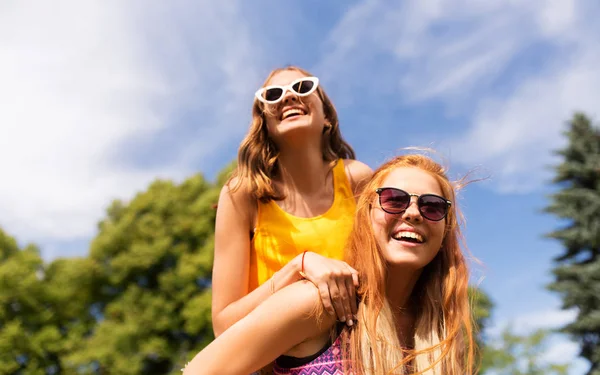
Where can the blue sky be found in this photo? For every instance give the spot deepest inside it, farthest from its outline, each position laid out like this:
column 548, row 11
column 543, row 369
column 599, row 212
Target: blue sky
column 100, row 98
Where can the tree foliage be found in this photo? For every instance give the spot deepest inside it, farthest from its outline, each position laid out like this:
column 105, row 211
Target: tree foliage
column 577, row 203
column 155, row 260
column 514, row 354
column 44, row 309
column 139, row 303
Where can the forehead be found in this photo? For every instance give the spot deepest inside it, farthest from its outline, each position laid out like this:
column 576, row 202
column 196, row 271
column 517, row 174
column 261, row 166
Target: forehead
column 413, row 180
column 285, row 77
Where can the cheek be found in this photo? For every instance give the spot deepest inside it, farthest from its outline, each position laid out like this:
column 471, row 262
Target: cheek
column 379, row 223
column 271, row 123
column 437, row 235
column 316, row 106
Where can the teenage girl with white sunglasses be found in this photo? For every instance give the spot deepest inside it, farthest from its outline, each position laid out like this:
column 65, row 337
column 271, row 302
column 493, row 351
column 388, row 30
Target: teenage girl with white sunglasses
column 287, row 211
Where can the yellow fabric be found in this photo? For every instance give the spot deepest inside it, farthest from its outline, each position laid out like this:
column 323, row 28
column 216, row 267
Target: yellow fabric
column 279, row 236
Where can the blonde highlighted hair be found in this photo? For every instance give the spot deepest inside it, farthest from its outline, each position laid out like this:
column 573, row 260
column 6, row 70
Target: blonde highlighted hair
column 258, row 154
column 443, row 335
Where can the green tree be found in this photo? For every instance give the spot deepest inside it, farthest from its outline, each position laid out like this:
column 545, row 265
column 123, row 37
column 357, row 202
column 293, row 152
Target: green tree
column 514, row 354
column 577, row 273
column 481, row 306
column 510, row 353
column 153, row 296
column 43, row 308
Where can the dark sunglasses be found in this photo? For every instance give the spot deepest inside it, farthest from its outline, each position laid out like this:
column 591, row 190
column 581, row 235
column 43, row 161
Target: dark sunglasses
column 301, row 87
column 396, row 201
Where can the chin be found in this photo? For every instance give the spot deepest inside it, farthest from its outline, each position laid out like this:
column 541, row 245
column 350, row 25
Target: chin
column 406, row 262
column 304, row 121
column 415, row 257
column 298, row 127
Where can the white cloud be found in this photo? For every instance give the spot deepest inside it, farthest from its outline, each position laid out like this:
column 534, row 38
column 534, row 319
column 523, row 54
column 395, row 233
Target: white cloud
column 561, row 350
column 527, row 323
column 81, row 81
column 514, row 135
column 476, row 59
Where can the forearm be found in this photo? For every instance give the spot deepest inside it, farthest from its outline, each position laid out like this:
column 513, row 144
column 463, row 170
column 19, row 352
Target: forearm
column 270, row 330
column 237, row 310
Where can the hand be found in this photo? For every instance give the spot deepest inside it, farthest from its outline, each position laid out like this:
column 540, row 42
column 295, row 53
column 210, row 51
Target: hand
column 337, row 283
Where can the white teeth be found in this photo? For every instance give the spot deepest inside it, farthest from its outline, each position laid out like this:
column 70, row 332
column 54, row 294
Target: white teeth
column 293, row 111
column 413, row 235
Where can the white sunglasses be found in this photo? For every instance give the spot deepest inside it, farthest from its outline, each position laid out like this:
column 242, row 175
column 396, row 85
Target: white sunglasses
column 274, row 94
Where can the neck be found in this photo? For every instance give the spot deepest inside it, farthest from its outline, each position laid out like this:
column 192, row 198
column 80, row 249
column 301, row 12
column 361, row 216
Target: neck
column 302, row 168
column 400, row 283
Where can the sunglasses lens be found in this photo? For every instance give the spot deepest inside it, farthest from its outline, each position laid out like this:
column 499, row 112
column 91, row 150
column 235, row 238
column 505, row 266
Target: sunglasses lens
column 432, row 207
column 303, row 87
column 272, row 94
column 393, row 201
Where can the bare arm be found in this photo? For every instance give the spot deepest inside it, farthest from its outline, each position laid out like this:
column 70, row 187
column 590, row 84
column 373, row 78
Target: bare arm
column 358, row 174
column 272, row 329
column 230, row 298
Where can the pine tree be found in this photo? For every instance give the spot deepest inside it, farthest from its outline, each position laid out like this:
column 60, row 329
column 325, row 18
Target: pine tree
column 577, row 203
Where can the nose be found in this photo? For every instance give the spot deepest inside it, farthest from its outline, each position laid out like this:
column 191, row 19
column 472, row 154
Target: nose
column 412, row 214
column 289, row 96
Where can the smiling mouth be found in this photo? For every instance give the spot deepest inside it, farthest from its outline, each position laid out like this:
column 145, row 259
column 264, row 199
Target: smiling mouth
column 411, row 237
column 294, row 112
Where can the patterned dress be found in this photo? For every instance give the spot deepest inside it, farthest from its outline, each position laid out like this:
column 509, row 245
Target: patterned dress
column 328, row 361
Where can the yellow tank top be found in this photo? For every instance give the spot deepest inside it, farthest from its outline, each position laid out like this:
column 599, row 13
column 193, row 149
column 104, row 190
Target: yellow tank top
column 279, row 236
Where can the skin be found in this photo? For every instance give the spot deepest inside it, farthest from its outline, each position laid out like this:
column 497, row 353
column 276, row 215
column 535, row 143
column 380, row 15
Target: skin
column 306, row 129
column 284, row 324
column 308, row 194
column 407, row 260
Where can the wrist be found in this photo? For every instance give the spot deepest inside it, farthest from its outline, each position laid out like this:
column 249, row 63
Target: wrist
column 290, row 273
column 302, row 271
column 299, row 264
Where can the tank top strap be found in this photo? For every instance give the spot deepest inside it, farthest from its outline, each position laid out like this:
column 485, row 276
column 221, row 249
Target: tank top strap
column 341, row 183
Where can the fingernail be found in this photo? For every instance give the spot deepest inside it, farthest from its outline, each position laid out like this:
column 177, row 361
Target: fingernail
column 350, row 322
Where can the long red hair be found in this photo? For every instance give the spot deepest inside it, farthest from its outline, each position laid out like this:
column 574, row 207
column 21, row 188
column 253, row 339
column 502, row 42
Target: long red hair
column 443, row 337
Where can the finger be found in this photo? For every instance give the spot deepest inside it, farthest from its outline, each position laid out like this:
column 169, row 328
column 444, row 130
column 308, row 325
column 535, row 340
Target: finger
column 342, row 283
column 354, row 273
column 352, row 296
column 326, row 298
column 355, row 279
column 335, row 294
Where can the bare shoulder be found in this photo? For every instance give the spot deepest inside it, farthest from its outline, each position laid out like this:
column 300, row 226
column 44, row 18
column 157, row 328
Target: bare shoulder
column 358, row 174
column 236, row 202
column 357, row 168
column 305, row 297
column 308, row 316
column 302, row 303
column 236, row 192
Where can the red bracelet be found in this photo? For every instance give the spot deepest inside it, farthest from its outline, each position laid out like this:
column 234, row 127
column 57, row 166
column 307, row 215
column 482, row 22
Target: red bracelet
column 302, row 271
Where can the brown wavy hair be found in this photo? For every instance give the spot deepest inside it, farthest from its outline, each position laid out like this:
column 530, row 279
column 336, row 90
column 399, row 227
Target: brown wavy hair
column 258, row 155
column 443, row 337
